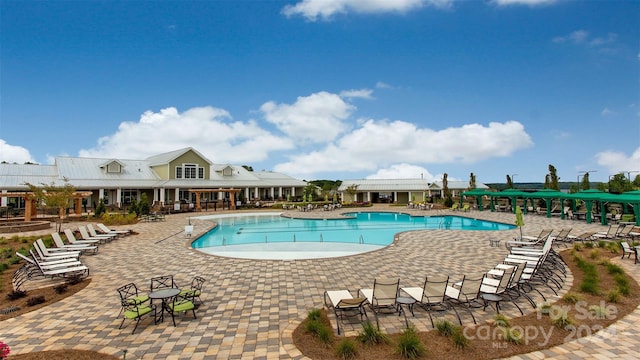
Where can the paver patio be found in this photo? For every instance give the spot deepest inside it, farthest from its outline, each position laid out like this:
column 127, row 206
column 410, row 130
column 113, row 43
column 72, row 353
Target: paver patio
column 251, row 307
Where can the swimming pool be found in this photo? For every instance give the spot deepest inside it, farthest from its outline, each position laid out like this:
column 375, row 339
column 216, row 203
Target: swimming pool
column 251, row 234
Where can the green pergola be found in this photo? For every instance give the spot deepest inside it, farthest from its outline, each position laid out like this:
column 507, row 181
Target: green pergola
column 512, row 194
column 478, row 194
column 547, row 195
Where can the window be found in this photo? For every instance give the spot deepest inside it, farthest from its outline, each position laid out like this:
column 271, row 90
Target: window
column 189, row 171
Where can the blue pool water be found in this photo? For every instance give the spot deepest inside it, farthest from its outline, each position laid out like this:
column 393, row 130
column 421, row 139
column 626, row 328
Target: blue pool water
column 362, row 228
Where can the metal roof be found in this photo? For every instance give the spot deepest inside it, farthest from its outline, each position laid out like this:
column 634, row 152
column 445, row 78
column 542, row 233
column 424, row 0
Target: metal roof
column 404, row 185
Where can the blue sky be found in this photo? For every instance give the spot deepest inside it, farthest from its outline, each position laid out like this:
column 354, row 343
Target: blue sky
column 328, row 89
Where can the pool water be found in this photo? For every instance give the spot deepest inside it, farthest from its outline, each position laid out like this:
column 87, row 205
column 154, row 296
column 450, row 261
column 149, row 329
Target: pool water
column 362, row 228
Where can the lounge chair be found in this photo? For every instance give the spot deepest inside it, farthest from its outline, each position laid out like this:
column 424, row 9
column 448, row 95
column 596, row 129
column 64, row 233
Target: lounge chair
column 465, row 293
column 431, row 296
column 133, row 306
column 93, row 233
column 466, row 207
column 86, row 236
column 628, row 250
column 63, row 271
column 344, row 305
column 106, row 230
column 585, row 236
column 49, row 265
column 382, row 296
column 611, row 233
column 454, row 207
column 495, row 286
column 56, row 252
column 71, row 238
column 82, row 248
column 527, row 240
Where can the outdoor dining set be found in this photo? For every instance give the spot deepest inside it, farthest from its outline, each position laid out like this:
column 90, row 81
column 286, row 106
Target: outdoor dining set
column 164, row 296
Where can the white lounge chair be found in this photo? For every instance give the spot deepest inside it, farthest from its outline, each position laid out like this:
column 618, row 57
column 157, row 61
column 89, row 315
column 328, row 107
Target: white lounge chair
column 82, row 248
column 56, row 252
column 71, row 238
column 95, row 234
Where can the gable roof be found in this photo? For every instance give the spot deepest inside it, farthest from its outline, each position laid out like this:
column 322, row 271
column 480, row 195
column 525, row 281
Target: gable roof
column 163, row 159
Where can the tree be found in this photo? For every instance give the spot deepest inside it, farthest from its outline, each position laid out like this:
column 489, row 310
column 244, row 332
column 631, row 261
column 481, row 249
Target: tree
column 53, row 196
column 552, row 180
column 448, row 201
column 585, row 185
column 248, row 168
column 509, row 182
column 472, row 181
column 636, row 181
column 352, row 190
column 619, row 183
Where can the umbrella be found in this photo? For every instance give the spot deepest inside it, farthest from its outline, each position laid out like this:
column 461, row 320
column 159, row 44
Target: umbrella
column 519, row 219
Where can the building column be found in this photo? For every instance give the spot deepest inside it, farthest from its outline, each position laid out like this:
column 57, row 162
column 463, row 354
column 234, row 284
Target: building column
column 118, row 197
column 100, row 195
column 369, row 196
column 247, row 194
column 176, row 195
column 293, row 191
column 3, row 200
column 280, row 194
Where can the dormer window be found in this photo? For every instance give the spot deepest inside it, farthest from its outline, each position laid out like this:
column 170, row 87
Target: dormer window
column 113, row 167
column 189, row 171
column 227, row 171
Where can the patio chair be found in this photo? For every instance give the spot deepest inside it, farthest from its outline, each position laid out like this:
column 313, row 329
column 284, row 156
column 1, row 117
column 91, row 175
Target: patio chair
column 495, row 286
column 611, row 233
column 71, row 238
column 344, row 305
column 465, row 293
column 130, row 293
column 132, row 308
column 161, row 282
column 382, row 296
column 73, row 269
column 194, row 292
column 45, row 253
column 178, row 304
column 431, row 296
column 88, row 232
column 562, row 237
column 628, row 250
column 106, row 230
column 585, row 236
column 82, row 248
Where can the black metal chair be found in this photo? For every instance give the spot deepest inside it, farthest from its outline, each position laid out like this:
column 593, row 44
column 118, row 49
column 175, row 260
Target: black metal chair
column 193, row 293
column 133, row 305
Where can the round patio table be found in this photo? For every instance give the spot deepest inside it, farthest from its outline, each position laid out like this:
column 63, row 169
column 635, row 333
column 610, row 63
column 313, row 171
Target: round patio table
column 163, row 294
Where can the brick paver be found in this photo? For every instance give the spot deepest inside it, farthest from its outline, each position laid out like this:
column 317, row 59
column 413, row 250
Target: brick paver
column 252, row 306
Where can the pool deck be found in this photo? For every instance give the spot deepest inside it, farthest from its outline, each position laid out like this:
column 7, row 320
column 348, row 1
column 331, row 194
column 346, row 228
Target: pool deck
column 251, row 307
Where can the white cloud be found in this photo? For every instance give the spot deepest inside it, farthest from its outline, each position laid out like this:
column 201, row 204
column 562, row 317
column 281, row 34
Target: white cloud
column 315, row 118
column 403, row 171
column 616, row 161
column 607, row 111
column 209, row 130
column 359, row 93
column 324, row 9
column 523, row 2
column 582, row 37
column 383, row 85
column 376, row 144
column 14, row 154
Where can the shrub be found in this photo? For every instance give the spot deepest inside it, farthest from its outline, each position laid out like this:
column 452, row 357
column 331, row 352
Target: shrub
column 313, row 327
column 600, row 312
column 589, row 286
column 459, row 340
column 578, row 247
column 445, row 327
column 613, row 296
column 501, row 321
column 314, row 314
column 409, row 344
column 614, row 269
column 594, row 254
column 60, row 289
column 16, row 294
column 35, row 300
column 589, row 245
column 512, row 336
column 325, row 334
column 346, row 349
column 372, row 335
column 572, row 297
column 602, row 244
column 562, row 320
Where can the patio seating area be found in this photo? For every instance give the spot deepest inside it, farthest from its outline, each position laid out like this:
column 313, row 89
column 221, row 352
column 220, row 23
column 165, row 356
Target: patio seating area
column 250, row 308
